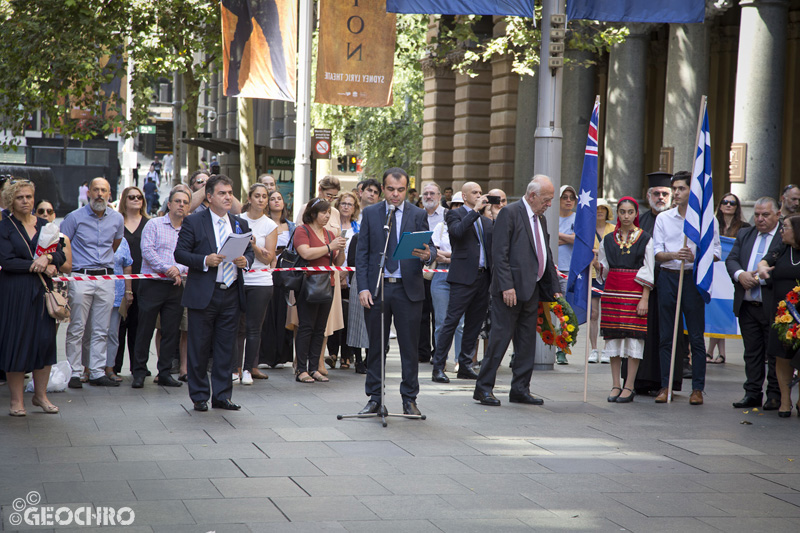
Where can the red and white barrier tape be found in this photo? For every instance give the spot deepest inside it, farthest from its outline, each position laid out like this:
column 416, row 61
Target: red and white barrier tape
column 164, row 276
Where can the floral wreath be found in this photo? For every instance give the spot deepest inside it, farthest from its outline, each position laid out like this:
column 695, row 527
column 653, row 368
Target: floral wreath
column 566, row 334
column 787, row 319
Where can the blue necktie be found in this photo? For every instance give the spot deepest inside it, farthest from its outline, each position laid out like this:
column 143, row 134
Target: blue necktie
column 392, row 264
column 482, row 251
column 755, row 292
column 228, row 268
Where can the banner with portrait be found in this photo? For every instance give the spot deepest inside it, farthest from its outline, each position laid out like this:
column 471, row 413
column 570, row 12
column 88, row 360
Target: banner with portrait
column 355, row 57
column 259, row 48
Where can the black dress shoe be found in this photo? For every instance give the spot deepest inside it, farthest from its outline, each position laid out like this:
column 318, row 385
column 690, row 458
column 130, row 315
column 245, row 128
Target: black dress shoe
column 361, row 368
column 772, row 404
column 750, row 401
column 465, row 372
column 410, row 408
column 527, row 398
column 486, row 398
column 184, row 378
column 201, row 406
column 372, row 408
column 75, row 383
column 225, row 404
column 104, row 381
column 440, row 377
column 138, row 382
column 169, row 381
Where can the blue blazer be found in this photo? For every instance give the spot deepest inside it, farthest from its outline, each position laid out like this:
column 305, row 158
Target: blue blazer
column 466, row 244
column 370, row 246
column 196, row 240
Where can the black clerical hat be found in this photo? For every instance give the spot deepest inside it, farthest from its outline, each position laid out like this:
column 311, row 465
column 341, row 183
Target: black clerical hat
column 659, row 179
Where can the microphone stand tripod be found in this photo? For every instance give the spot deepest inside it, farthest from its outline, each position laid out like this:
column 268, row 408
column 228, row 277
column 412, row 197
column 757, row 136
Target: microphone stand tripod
column 382, row 412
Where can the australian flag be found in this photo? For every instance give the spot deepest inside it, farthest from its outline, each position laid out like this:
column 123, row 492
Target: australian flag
column 585, row 226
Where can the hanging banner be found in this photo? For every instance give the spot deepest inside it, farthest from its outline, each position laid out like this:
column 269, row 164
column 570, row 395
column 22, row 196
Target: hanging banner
column 506, row 8
column 355, row 57
column 259, row 48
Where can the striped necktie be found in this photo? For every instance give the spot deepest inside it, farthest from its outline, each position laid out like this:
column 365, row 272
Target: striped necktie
column 228, row 268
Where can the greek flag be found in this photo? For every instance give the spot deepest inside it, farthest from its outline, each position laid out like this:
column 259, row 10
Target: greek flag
column 699, row 224
column 585, row 225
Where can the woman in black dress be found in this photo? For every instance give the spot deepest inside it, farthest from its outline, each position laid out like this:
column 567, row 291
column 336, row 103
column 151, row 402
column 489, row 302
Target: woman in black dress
column 783, row 268
column 28, row 334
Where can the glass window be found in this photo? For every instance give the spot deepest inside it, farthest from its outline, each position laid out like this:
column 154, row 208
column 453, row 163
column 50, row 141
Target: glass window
column 47, row 156
column 76, row 157
column 97, row 158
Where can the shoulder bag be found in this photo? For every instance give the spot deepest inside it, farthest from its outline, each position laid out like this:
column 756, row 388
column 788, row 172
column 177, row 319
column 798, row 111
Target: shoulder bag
column 289, row 258
column 317, row 288
column 55, row 302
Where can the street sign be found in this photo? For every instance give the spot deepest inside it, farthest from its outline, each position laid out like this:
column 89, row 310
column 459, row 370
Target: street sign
column 322, row 143
column 147, row 129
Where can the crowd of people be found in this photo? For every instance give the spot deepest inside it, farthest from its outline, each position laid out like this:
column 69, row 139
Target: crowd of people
column 227, row 318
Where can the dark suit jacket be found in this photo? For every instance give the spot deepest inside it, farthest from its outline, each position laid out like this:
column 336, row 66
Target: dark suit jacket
column 370, row 246
column 466, row 245
column 739, row 258
column 514, row 261
column 195, row 241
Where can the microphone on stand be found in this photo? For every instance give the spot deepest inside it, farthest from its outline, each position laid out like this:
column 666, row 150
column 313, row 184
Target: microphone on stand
column 389, row 218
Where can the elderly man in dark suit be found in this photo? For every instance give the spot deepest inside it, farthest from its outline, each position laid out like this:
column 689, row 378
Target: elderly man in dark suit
column 214, row 294
column 469, row 280
column 403, row 289
column 751, row 303
column 523, row 273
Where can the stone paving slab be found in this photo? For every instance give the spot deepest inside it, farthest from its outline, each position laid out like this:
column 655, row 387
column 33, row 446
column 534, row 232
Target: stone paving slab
column 285, row 463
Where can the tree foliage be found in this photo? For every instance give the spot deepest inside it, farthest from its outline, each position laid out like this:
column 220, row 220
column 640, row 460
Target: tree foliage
column 521, row 40
column 60, row 57
column 385, row 136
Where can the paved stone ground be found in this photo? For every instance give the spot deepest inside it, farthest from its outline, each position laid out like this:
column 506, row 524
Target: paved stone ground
column 285, row 463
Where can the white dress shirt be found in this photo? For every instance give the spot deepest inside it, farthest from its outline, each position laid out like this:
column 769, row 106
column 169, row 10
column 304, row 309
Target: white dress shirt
column 668, row 237
column 215, row 222
column 531, row 214
column 753, row 261
column 399, row 220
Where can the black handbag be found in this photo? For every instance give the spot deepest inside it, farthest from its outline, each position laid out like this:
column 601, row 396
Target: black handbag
column 317, row 288
column 289, row 258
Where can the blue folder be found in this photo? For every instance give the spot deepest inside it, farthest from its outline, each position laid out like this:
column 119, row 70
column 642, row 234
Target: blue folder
column 409, row 242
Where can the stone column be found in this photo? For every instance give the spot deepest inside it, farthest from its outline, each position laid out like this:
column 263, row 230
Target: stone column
column 437, row 128
column 623, row 164
column 503, row 122
column 290, row 127
column 687, row 82
column 471, row 127
column 524, row 146
column 277, row 127
column 577, row 100
column 760, row 78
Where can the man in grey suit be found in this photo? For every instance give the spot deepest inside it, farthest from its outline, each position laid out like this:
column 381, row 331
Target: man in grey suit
column 752, row 303
column 523, row 273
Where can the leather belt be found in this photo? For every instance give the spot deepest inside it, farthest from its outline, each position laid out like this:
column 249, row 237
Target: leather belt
column 221, row 286
column 391, row 280
column 753, row 303
column 481, row 270
column 93, row 271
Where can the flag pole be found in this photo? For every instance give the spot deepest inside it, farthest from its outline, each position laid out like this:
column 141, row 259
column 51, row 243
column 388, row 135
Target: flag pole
column 683, row 264
column 586, row 351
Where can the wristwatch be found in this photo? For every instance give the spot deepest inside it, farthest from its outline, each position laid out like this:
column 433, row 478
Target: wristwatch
column 49, row 258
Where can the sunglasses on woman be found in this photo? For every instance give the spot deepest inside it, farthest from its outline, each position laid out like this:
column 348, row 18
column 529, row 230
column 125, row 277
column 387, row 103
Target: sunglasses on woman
column 729, row 202
column 134, row 197
column 42, row 211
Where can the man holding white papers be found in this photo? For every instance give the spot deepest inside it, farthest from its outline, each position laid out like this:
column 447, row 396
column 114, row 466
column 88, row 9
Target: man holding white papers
column 403, row 285
column 214, row 293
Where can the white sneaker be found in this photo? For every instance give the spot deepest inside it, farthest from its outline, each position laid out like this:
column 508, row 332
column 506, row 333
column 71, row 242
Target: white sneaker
column 594, row 357
column 247, row 378
column 235, row 377
column 263, row 366
column 605, row 359
column 279, row 365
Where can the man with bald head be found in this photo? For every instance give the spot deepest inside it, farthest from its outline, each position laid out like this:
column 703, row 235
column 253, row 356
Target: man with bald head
column 469, row 277
column 492, row 210
column 95, row 231
column 523, row 274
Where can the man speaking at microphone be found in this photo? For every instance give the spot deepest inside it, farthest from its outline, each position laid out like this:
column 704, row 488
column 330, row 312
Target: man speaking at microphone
column 403, row 287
